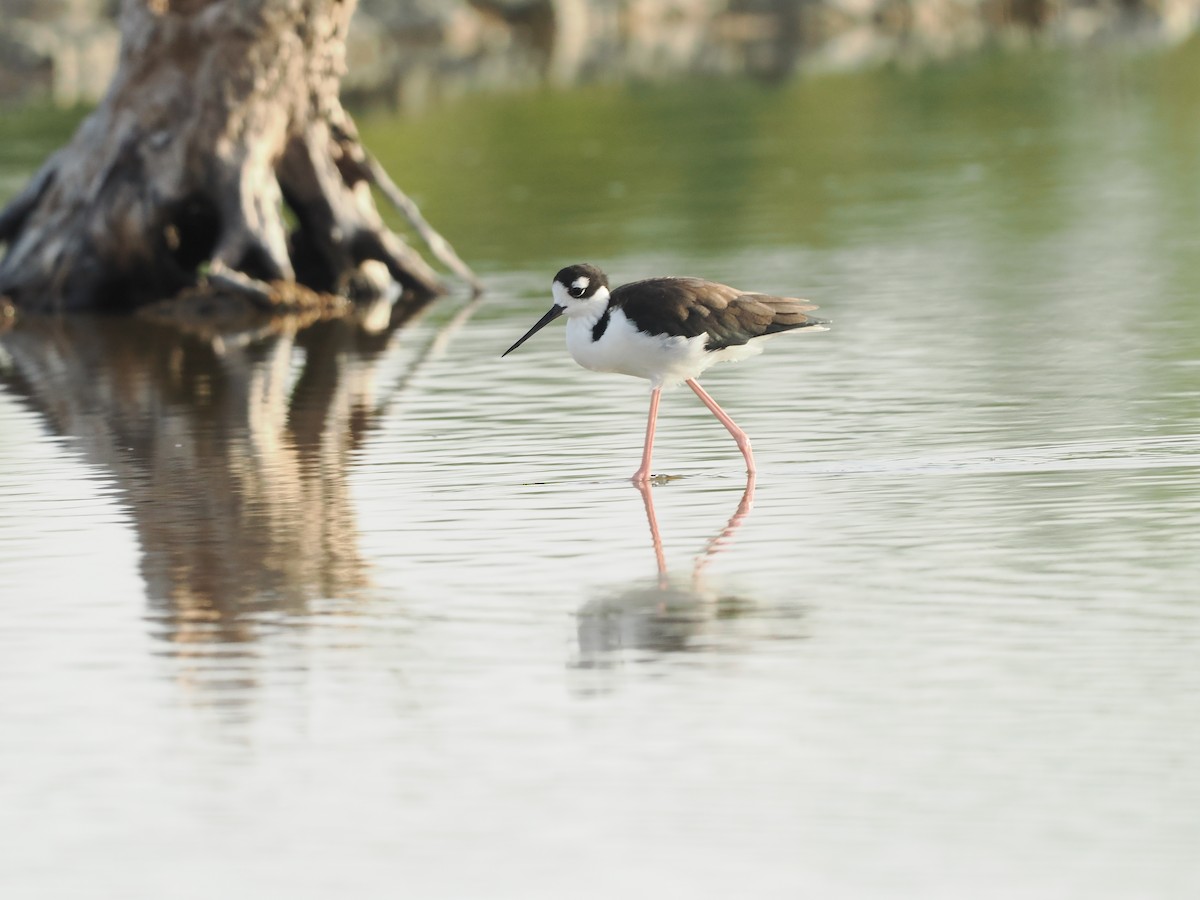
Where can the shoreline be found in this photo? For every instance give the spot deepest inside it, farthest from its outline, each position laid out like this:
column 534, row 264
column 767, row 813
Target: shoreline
column 410, row 54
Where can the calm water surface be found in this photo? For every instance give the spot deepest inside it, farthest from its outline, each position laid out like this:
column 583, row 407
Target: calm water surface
column 374, row 613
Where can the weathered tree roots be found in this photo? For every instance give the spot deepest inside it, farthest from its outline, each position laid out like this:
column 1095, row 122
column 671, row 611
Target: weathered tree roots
column 223, row 114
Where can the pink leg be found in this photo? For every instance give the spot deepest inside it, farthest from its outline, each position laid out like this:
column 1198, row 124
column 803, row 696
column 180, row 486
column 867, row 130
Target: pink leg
column 642, row 475
column 743, row 442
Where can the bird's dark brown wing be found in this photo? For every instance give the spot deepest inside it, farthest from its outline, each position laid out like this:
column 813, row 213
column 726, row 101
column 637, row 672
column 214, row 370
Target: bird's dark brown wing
column 689, row 307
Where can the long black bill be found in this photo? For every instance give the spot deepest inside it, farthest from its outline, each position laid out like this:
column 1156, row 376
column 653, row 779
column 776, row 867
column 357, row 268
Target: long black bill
column 554, row 313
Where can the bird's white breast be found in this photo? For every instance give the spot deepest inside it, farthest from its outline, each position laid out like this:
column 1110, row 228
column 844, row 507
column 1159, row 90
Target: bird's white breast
column 622, row 348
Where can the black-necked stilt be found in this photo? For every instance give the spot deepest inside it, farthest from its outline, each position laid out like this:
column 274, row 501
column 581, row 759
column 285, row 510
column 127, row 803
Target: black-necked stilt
column 667, row 330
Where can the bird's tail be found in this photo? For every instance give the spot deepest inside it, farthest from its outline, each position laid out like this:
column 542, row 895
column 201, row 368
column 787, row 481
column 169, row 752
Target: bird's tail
column 790, row 313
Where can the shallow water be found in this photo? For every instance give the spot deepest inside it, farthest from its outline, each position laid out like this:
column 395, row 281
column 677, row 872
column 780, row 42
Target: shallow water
column 378, row 613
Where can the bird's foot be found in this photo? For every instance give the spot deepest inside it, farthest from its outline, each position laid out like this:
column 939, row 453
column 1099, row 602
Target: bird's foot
column 640, row 479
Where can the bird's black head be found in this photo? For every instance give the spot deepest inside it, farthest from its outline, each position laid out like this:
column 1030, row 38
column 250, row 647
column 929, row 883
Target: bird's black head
column 576, row 289
column 581, row 280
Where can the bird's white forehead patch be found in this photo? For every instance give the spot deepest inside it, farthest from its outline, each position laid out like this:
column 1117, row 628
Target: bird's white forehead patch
column 581, row 282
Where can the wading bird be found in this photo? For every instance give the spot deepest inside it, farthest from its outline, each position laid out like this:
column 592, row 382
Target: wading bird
column 667, row 330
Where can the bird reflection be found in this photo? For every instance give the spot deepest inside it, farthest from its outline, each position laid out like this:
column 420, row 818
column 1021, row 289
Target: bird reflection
column 663, row 615
column 229, row 452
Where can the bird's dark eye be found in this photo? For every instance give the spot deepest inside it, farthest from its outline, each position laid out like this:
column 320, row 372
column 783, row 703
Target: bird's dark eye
column 576, row 292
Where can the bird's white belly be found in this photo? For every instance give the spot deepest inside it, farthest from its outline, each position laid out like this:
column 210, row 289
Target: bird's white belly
column 662, row 359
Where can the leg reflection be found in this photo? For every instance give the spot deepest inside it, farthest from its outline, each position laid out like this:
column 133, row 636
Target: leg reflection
column 715, row 545
column 647, row 493
column 658, row 617
column 722, row 540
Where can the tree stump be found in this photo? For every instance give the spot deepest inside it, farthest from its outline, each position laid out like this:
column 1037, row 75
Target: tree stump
column 221, row 151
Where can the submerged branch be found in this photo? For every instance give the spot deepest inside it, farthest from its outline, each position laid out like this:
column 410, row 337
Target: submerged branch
column 13, row 216
column 438, row 245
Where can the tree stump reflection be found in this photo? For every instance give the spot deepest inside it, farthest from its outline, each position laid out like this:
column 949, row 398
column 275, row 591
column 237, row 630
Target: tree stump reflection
column 230, row 454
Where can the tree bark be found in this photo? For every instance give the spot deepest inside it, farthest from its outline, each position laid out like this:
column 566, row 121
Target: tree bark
column 223, row 114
